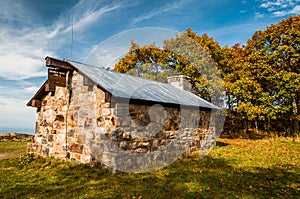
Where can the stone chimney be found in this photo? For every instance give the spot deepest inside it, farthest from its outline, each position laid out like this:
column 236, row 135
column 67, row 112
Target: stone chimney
column 180, row 81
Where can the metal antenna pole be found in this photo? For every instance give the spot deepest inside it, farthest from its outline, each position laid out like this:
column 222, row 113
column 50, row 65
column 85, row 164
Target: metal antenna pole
column 72, row 38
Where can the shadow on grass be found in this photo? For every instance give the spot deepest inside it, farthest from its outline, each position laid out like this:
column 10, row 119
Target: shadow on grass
column 251, row 134
column 186, row 178
column 221, row 144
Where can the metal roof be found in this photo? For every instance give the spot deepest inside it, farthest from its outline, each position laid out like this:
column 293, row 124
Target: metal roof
column 131, row 87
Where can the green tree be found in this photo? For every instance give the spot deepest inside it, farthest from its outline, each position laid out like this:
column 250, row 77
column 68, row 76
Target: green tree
column 272, row 60
column 148, row 62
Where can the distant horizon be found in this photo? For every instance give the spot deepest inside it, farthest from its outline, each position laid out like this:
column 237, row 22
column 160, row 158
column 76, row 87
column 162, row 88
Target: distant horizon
column 29, row 131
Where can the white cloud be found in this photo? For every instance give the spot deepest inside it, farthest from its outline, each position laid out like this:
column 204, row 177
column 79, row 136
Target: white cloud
column 23, row 49
column 280, row 8
column 21, row 57
column 109, row 51
column 31, row 89
column 155, row 12
column 90, row 16
column 295, row 10
column 279, row 13
column 15, row 12
column 21, row 90
column 259, row 15
column 237, row 33
column 14, row 113
column 25, row 40
column 277, row 4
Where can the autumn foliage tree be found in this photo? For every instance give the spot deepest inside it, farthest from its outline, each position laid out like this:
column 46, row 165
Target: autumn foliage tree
column 272, row 60
column 180, row 55
column 261, row 78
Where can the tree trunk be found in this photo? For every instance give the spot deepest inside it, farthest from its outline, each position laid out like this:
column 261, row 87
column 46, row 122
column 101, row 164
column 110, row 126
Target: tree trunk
column 295, row 121
column 246, row 126
column 256, row 126
column 268, row 124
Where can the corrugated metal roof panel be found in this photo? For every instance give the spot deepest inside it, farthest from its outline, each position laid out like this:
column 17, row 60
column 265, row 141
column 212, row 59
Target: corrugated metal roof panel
column 131, row 87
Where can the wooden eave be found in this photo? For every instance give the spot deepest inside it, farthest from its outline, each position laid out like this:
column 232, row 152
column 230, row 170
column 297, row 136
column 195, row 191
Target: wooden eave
column 47, row 87
column 44, row 89
column 64, row 64
column 55, row 63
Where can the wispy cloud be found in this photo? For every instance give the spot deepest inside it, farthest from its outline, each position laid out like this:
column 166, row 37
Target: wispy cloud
column 259, row 15
column 22, row 52
column 13, row 99
column 155, row 12
column 16, row 113
column 22, row 49
column 115, row 47
column 15, row 12
column 24, row 42
column 239, row 33
column 91, row 15
column 295, row 10
column 31, row 89
column 279, row 8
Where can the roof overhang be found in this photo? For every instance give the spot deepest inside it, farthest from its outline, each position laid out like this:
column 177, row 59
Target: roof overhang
column 44, row 89
column 58, row 64
column 47, row 87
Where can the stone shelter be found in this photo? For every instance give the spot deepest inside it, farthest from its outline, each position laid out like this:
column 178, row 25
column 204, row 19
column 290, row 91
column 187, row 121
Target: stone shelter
column 86, row 114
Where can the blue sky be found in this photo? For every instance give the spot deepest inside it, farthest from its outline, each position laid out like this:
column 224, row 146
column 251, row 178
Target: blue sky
column 30, row 30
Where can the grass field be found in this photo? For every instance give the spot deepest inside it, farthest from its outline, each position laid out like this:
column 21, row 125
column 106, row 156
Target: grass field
column 235, row 168
column 12, row 146
column 12, row 149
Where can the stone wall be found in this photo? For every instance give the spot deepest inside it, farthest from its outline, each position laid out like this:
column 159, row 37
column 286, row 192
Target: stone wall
column 116, row 133
column 154, row 133
column 50, row 125
column 145, row 128
column 83, row 109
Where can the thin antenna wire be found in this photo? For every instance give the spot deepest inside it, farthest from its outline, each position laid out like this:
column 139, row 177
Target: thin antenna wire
column 72, row 38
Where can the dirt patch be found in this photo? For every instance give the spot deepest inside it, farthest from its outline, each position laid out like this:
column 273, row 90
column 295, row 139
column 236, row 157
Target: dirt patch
column 11, row 154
